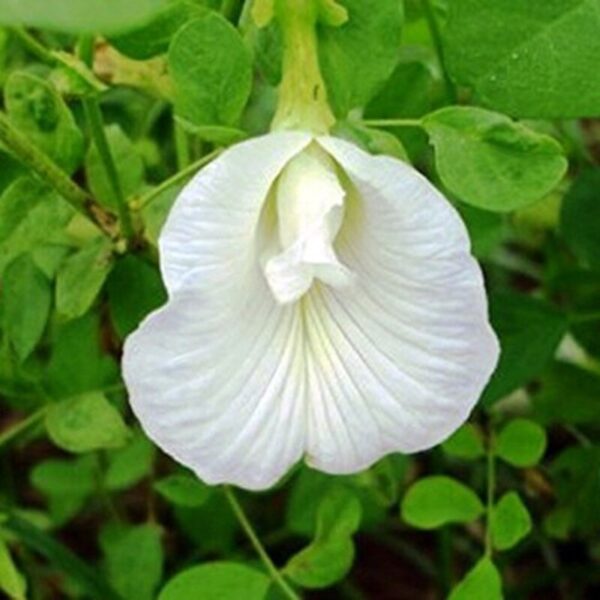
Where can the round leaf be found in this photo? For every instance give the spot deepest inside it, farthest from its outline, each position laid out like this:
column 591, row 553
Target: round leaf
column 438, row 500
column 521, row 443
column 465, row 443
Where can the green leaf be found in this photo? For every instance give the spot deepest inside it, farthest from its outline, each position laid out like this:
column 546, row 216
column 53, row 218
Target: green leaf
column 212, row 73
column 153, row 37
column 79, row 16
column 130, row 464
column 27, row 301
column 510, row 521
column 12, row 583
column 183, row 489
column 438, row 500
column 580, row 218
column 134, row 289
column 491, row 162
column 521, row 443
column 86, row 423
column 32, row 217
column 134, row 560
column 82, row 276
column 128, row 162
column 530, row 331
column 358, row 57
column 78, row 363
column 533, row 59
column 465, row 443
column 482, row 582
column 329, row 556
column 36, row 110
column 217, row 581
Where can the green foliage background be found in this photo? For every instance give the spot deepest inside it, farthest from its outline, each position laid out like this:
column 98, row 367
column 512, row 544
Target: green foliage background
column 108, row 108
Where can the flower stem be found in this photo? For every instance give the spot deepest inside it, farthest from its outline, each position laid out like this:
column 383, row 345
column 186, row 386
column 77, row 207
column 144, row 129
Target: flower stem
column 436, row 37
column 393, row 123
column 182, row 146
column 51, row 173
column 11, row 434
column 260, row 550
column 491, row 490
column 175, row 179
column 33, row 46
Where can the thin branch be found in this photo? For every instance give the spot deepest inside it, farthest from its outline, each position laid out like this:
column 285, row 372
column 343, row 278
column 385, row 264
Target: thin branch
column 393, row 123
column 8, row 436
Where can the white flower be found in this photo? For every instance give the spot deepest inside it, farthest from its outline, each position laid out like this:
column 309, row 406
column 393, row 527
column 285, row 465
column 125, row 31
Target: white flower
column 323, row 303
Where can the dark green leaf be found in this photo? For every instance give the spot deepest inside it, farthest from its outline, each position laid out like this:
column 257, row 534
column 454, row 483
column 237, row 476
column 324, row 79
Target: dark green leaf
column 217, row 581
column 491, row 162
column 438, row 500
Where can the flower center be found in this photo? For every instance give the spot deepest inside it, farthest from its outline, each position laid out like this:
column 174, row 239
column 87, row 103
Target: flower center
column 310, row 212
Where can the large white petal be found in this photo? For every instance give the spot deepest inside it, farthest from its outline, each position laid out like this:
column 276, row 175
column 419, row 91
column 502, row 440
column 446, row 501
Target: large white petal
column 216, row 376
column 397, row 362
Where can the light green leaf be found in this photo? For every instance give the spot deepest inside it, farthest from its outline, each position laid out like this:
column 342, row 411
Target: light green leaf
column 533, row 59
column 510, row 521
column 438, row 500
column 329, row 556
column 27, row 301
column 86, row 423
column 134, row 560
column 358, row 56
column 465, row 443
column 521, row 443
column 212, row 72
column 134, row 289
column 78, row 16
column 491, row 162
column 32, row 217
column 530, row 331
column 153, row 37
column 217, row 581
column 580, row 218
column 371, row 140
column 12, row 583
column 36, row 110
column 130, row 464
column 482, row 583
column 82, row 276
column 183, row 489
column 128, row 162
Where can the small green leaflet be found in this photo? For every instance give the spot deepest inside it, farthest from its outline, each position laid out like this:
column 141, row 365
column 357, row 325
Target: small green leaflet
column 465, row 443
column 491, row 162
column 27, row 298
column 131, row 463
column 182, row 489
column 330, row 555
column 439, row 500
column 217, row 581
column 78, row 16
column 510, row 521
column 521, row 443
column 535, row 59
column 481, row 583
column 212, row 73
column 12, row 582
column 86, row 423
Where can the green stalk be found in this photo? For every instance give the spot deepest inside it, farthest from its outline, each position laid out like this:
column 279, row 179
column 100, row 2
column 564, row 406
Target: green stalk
column 277, row 577
column 182, row 146
column 37, row 49
column 96, row 124
column 491, row 491
column 393, row 123
column 13, row 433
column 51, row 173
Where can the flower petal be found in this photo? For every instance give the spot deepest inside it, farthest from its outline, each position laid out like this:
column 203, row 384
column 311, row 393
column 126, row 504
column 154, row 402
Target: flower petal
column 215, row 217
column 215, row 377
column 397, row 362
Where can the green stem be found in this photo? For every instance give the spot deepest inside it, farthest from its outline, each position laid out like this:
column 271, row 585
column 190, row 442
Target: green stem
column 491, row 491
column 33, row 46
column 175, row 179
column 52, row 174
column 436, row 37
column 393, row 123
column 96, row 124
column 10, row 435
column 277, row 577
column 182, row 146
